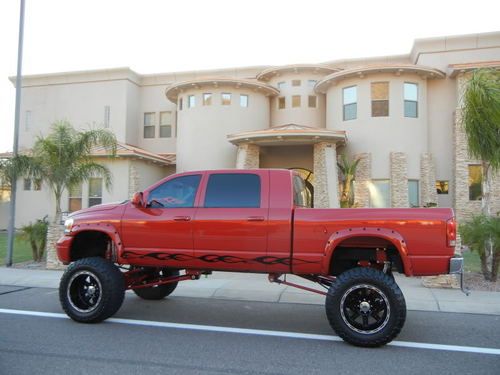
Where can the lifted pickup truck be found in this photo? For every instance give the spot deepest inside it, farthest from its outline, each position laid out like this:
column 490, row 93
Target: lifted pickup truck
column 191, row 224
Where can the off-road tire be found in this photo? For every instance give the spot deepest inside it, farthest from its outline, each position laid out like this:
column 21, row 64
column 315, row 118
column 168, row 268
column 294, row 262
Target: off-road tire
column 96, row 274
column 159, row 291
column 350, row 286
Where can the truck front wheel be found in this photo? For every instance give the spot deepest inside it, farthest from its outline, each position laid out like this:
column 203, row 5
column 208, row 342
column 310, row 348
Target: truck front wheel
column 91, row 290
column 365, row 307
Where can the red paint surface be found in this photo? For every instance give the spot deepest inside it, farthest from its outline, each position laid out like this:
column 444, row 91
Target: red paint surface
column 276, row 237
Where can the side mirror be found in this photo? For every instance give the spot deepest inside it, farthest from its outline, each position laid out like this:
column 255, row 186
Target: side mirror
column 137, row 199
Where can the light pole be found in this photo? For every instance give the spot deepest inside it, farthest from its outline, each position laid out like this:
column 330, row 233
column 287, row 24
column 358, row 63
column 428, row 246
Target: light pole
column 12, row 208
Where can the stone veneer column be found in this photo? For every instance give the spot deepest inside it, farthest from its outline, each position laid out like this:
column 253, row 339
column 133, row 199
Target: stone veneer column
column 247, row 156
column 54, row 232
column 326, row 180
column 428, row 192
column 362, row 181
column 399, row 180
column 133, row 179
column 464, row 208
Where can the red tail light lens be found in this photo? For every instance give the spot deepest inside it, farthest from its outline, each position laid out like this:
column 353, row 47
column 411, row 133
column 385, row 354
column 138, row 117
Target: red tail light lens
column 451, row 232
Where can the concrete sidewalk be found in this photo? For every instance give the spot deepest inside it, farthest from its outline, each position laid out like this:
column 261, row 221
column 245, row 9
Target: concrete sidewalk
column 255, row 287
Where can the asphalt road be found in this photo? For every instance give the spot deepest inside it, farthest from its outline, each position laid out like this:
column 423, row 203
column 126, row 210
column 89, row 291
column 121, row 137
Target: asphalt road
column 56, row 345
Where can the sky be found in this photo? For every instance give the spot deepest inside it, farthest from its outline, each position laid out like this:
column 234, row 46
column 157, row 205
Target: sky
column 153, row 36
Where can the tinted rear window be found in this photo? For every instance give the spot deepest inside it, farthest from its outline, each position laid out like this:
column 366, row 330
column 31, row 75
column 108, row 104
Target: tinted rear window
column 233, row 190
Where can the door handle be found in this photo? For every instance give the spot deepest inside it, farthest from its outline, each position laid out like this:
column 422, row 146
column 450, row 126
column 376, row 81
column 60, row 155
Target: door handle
column 255, row 218
column 182, row 218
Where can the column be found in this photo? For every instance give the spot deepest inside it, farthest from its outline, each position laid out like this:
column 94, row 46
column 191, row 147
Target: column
column 247, row 156
column 362, row 180
column 326, row 189
column 428, row 192
column 399, row 180
column 133, row 179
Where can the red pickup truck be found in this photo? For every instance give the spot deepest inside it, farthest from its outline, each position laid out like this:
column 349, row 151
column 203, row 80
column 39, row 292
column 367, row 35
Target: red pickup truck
column 191, row 224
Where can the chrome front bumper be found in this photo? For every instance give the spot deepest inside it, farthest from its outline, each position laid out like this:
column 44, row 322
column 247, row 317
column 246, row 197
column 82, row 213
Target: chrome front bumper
column 457, row 267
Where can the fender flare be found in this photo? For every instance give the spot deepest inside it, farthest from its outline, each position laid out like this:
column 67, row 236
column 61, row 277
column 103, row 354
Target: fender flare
column 390, row 235
column 106, row 228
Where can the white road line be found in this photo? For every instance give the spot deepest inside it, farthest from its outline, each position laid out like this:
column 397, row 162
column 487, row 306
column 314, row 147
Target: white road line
column 260, row 332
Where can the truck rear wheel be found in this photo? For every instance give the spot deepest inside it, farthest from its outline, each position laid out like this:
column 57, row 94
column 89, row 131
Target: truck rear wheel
column 91, row 290
column 365, row 307
column 159, row 291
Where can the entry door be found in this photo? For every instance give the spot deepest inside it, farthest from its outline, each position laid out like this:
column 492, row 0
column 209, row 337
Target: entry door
column 161, row 233
column 231, row 226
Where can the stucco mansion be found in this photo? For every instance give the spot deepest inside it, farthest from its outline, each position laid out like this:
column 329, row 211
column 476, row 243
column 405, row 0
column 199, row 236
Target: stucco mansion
column 399, row 114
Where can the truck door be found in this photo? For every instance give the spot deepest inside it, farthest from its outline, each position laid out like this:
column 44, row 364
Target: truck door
column 162, row 230
column 230, row 227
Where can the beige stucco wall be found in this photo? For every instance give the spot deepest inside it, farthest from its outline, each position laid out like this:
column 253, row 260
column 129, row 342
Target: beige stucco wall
column 381, row 135
column 441, row 103
column 302, row 115
column 300, row 156
column 152, row 99
column 82, row 104
column 202, row 131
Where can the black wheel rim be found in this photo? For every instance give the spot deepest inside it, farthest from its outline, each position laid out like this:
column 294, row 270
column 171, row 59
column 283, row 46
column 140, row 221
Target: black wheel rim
column 84, row 291
column 365, row 309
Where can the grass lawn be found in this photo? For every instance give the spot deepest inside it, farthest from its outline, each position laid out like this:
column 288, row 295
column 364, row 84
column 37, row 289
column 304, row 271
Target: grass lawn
column 472, row 261
column 21, row 253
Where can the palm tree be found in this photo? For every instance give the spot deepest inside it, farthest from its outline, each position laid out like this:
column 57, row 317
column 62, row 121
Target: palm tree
column 62, row 160
column 481, row 122
column 348, row 169
column 36, row 235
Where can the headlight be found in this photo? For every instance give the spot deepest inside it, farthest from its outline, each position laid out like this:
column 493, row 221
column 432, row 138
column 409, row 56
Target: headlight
column 68, row 224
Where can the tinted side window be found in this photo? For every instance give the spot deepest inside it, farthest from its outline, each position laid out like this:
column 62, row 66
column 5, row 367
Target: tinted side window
column 233, row 190
column 179, row 192
column 299, row 191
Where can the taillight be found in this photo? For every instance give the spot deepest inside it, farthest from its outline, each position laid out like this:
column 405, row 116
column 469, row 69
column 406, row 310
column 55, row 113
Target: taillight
column 451, row 232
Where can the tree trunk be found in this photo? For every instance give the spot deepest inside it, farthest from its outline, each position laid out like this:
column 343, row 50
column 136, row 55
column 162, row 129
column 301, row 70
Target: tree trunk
column 484, row 266
column 34, row 250
column 486, row 185
column 495, row 265
column 57, row 218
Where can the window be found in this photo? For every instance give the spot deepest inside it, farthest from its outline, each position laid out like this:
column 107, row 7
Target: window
column 207, row 98
column 180, row 104
column 95, row 191
column 300, row 196
column 281, row 102
column 226, row 98
column 312, row 101
column 380, row 99
column 281, row 85
column 380, row 193
column 179, row 192
column 233, row 190
column 475, row 180
column 149, row 125
column 312, row 82
column 28, row 121
column 243, row 100
column 296, row 82
column 350, row 100
column 413, row 193
column 106, row 116
column 75, row 198
column 411, row 99
column 191, row 101
column 37, row 184
column 295, row 101
column 442, row 187
column 165, row 124
column 27, row 184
